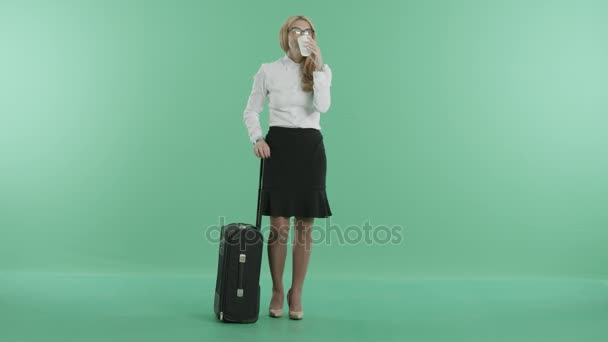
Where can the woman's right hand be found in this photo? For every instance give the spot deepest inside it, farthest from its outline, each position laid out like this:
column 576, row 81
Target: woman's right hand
column 261, row 149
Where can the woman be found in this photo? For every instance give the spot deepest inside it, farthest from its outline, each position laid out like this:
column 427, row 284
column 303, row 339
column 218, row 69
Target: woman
column 298, row 91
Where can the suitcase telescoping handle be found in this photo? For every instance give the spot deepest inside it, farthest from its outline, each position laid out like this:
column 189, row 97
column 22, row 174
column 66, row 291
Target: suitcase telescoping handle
column 258, row 215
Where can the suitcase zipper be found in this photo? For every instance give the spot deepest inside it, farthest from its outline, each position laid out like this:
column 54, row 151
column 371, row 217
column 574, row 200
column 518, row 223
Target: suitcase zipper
column 224, row 275
column 223, row 291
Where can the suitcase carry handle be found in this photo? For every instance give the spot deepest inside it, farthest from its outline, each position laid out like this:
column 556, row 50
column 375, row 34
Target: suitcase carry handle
column 241, row 276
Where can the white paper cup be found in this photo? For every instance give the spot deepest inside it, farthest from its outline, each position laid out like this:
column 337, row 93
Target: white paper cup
column 304, row 51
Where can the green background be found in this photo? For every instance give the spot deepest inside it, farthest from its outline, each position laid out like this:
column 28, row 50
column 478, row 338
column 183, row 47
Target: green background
column 478, row 127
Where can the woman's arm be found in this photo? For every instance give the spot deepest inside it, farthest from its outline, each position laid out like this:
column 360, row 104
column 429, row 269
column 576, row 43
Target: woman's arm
column 255, row 105
column 321, row 89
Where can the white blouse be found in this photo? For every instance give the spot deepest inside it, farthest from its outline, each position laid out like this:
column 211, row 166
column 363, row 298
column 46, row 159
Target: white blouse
column 288, row 104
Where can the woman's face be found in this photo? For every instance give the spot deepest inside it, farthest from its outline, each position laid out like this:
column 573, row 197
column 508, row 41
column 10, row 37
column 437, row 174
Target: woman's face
column 303, row 25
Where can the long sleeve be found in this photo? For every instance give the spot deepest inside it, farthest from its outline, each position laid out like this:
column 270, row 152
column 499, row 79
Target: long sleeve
column 255, row 105
column 321, row 89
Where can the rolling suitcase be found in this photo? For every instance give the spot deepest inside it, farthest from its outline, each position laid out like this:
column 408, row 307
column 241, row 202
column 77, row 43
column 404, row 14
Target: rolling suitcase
column 237, row 288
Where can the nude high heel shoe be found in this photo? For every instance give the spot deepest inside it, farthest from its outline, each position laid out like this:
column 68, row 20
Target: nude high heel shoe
column 276, row 313
column 293, row 314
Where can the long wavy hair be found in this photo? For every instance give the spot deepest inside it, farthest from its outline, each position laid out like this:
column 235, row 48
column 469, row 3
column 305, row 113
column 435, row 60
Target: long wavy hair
column 308, row 65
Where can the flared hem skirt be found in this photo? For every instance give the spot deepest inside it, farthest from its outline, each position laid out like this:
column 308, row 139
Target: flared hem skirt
column 293, row 181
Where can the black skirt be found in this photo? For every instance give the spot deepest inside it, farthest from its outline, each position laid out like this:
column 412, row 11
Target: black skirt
column 294, row 175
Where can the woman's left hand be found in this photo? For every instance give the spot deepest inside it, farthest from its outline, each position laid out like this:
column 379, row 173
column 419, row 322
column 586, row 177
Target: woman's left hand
column 311, row 44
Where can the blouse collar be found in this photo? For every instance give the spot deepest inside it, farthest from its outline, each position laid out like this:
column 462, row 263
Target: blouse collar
column 289, row 63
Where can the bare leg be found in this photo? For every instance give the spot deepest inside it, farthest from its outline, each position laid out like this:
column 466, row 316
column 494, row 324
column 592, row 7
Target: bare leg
column 301, row 248
column 277, row 251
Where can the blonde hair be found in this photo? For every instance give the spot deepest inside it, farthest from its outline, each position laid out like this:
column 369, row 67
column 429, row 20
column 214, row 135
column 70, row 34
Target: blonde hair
column 308, row 65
